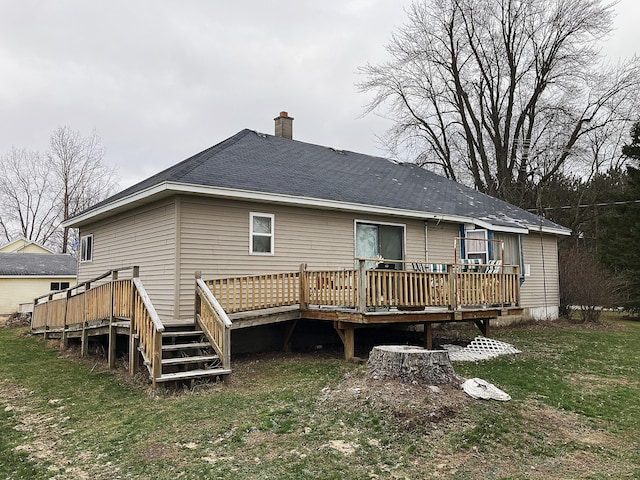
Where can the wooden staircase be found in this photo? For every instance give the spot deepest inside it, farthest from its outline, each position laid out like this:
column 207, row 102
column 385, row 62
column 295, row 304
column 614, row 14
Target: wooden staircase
column 187, row 354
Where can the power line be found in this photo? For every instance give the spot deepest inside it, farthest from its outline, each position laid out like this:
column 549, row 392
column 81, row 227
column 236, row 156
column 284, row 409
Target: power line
column 567, row 207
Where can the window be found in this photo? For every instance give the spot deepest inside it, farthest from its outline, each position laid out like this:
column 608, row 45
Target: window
column 86, row 248
column 386, row 241
column 512, row 250
column 476, row 245
column 261, row 234
column 57, row 286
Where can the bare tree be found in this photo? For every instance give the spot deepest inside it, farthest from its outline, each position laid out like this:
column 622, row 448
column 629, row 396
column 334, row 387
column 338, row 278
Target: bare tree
column 28, row 194
column 38, row 192
column 502, row 93
column 83, row 177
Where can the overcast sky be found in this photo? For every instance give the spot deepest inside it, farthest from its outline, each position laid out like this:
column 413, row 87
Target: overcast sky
column 162, row 80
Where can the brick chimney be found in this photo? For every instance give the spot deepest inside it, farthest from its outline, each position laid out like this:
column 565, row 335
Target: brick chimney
column 284, row 125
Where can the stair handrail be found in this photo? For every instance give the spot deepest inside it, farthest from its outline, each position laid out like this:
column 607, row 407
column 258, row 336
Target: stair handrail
column 148, row 328
column 219, row 338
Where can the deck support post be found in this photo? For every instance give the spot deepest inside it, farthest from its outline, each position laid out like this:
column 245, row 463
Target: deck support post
column 84, row 342
column 112, row 328
column 428, row 336
column 157, row 357
column 483, row 326
column 288, row 334
column 349, row 343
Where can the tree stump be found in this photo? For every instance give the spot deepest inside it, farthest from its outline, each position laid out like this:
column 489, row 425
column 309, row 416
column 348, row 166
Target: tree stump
column 412, row 365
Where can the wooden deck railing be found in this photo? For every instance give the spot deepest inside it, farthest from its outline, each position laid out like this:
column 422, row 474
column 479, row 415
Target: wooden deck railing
column 451, row 287
column 113, row 299
column 84, row 302
column 146, row 325
column 213, row 320
column 255, row 292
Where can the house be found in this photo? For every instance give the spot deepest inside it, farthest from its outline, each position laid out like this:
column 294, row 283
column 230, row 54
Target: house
column 258, row 203
column 260, row 230
column 28, row 270
column 22, row 245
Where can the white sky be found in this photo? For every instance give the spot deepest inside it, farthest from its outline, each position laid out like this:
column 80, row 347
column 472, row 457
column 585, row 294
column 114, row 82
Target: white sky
column 162, row 80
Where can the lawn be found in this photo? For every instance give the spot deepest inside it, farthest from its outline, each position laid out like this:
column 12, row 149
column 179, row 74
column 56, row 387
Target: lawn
column 575, row 413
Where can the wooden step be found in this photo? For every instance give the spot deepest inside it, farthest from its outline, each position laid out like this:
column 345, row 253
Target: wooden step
column 183, row 360
column 176, row 322
column 202, row 373
column 185, row 346
column 182, row 333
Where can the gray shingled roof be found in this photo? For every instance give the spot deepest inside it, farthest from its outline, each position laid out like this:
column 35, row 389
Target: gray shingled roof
column 37, row 264
column 265, row 163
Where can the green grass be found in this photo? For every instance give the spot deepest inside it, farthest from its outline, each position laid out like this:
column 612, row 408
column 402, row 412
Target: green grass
column 575, row 413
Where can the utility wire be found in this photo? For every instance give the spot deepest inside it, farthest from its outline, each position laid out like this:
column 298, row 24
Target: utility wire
column 567, row 207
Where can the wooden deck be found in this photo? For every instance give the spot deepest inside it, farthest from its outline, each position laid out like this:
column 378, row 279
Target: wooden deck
column 349, row 299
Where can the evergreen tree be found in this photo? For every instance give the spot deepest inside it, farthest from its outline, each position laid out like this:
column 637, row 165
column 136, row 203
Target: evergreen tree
column 619, row 231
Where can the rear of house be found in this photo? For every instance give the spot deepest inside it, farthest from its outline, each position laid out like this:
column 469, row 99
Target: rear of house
column 258, row 203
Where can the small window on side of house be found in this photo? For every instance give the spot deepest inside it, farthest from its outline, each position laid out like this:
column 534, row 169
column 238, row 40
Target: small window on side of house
column 261, row 233
column 57, row 286
column 86, row 248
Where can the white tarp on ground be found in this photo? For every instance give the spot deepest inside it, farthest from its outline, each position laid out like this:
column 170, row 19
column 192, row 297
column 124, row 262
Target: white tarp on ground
column 481, row 348
column 483, row 390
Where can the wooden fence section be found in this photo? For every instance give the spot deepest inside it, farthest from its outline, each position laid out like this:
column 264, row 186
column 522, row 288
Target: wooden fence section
column 213, row 320
column 255, row 292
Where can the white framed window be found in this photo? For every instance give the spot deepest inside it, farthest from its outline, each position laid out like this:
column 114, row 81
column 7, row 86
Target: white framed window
column 261, row 233
column 86, row 248
column 476, row 245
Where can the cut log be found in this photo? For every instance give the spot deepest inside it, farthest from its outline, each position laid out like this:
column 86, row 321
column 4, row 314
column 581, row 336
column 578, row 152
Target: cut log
column 412, row 365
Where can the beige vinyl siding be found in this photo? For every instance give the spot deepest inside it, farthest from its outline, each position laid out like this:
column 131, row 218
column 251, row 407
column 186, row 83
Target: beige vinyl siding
column 215, row 240
column 440, row 238
column 540, row 289
column 14, row 291
column 144, row 237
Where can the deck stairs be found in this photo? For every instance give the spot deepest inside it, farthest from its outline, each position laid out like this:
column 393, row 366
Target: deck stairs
column 187, row 354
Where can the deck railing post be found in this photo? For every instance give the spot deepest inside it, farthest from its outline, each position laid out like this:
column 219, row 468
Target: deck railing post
column 453, row 283
column 64, row 342
column 197, row 306
column 304, row 287
column 46, row 318
column 157, row 356
column 112, row 329
column 362, row 285
column 133, row 341
column 517, row 284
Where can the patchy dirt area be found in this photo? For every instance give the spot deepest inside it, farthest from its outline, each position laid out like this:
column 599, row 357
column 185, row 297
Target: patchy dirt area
column 45, row 435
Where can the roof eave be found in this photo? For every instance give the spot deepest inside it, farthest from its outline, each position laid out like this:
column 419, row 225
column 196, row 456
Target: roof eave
column 167, row 188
